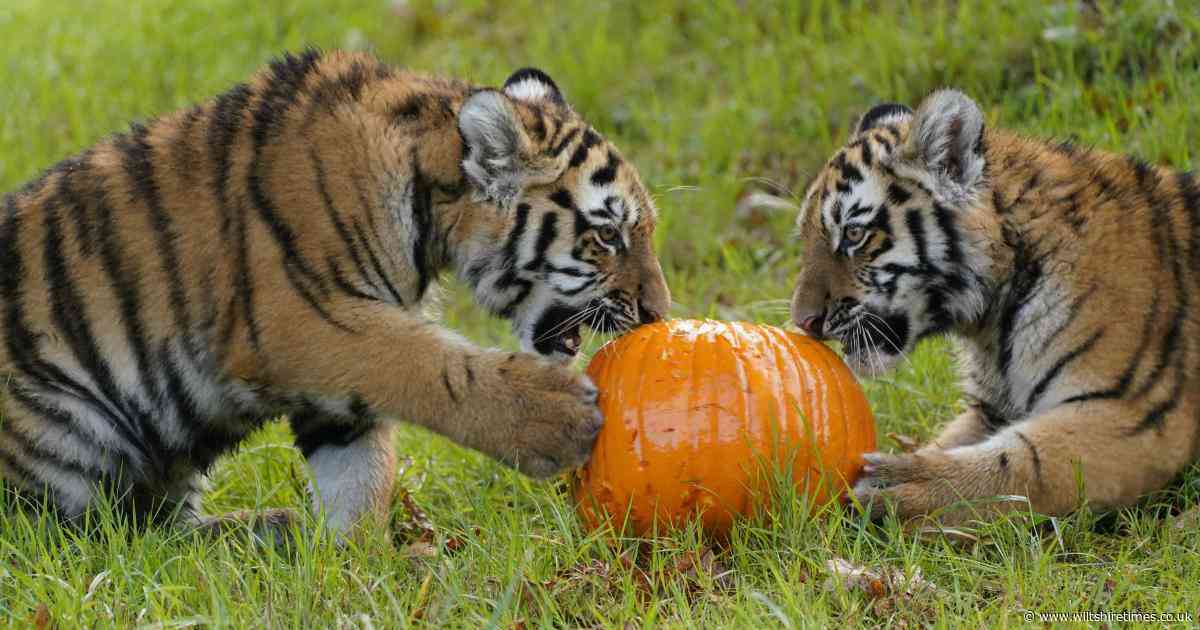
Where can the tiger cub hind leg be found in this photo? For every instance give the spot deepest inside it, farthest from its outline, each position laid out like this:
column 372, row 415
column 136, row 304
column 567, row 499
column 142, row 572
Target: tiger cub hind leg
column 353, row 472
column 1049, row 464
column 46, row 459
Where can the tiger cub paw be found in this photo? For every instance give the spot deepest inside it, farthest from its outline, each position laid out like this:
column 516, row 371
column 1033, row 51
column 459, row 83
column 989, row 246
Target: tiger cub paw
column 914, row 483
column 550, row 416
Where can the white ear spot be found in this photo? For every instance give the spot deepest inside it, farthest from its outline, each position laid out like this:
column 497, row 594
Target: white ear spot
column 528, row 90
column 532, row 85
column 946, row 139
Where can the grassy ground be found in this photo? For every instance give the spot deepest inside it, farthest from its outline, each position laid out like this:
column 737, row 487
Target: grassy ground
column 708, row 102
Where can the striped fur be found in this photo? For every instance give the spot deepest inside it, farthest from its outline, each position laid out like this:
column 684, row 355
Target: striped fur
column 1067, row 276
column 268, row 252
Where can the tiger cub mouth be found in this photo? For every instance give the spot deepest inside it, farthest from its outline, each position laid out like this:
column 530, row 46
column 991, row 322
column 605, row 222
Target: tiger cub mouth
column 559, row 331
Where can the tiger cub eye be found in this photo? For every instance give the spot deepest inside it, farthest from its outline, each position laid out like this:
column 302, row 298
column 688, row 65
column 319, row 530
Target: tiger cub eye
column 608, row 233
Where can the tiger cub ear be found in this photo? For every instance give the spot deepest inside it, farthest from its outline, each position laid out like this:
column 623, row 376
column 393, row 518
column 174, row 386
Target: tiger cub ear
column 499, row 158
column 946, row 140
column 883, row 114
column 532, row 85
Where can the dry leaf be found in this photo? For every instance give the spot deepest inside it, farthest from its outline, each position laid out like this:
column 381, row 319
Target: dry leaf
column 414, row 525
column 419, row 549
column 41, row 617
column 878, row 583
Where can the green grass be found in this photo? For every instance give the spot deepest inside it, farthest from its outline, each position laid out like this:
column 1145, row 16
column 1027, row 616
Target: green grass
column 707, row 101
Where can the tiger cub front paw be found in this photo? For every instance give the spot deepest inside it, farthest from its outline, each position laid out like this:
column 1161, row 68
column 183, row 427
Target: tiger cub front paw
column 550, row 416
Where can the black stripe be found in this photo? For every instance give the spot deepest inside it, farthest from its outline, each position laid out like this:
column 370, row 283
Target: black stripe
column 608, row 172
column 343, row 283
column 313, row 428
column 523, row 289
column 410, row 108
column 343, row 232
column 509, row 277
column 1156, row 417
column 365, row 242
column 1126, row 378
column 898, row 195
column 1190, row 194
column 916, row 227
column 567, row 271
column 1141, row 170
column 23, row 475
column 858, row 210
column 579, row 289
column 468, row 369
column 68, row 422
column 1071, row 213
column 186, row 404
column 22, row 342
column 850, row 173
column 1048, row 377
column 1037, row 460
column 288, row 74
column 138, row 164
column 514, row 237
column 446, row 383
column 70, row 317
column 590, row 139
column 546, row 236
column 945, row 222
column 225, row 122
column 422, row 213
column 1026, row 280
column 1171, row 345
column 561, row 146
column 1164, row 228
column 43, row 455
column 287, row 77
column 884, row 141
column 125, row 285
column 182, row 146
column 1073, row 310
column 538, row 130
column 77, row 205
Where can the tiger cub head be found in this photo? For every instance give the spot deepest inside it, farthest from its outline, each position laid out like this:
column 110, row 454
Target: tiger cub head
column 572, row 239
column 892, row 231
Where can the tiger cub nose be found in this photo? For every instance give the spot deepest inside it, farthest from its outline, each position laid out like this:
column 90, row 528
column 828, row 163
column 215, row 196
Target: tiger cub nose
column 647, row 314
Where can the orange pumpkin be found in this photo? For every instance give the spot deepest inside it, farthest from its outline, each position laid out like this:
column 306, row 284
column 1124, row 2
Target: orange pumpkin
column 695, row 411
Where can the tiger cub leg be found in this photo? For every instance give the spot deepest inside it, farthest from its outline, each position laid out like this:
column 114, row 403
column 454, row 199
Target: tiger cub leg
column 352, row 478
column 1084, row 451
column 530, row 413
column 47, row 454
column 352, row 469
column 969, row 427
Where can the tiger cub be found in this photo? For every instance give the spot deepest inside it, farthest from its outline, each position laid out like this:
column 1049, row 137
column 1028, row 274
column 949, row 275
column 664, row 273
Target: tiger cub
column 1067, row 277
column 267, row 253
